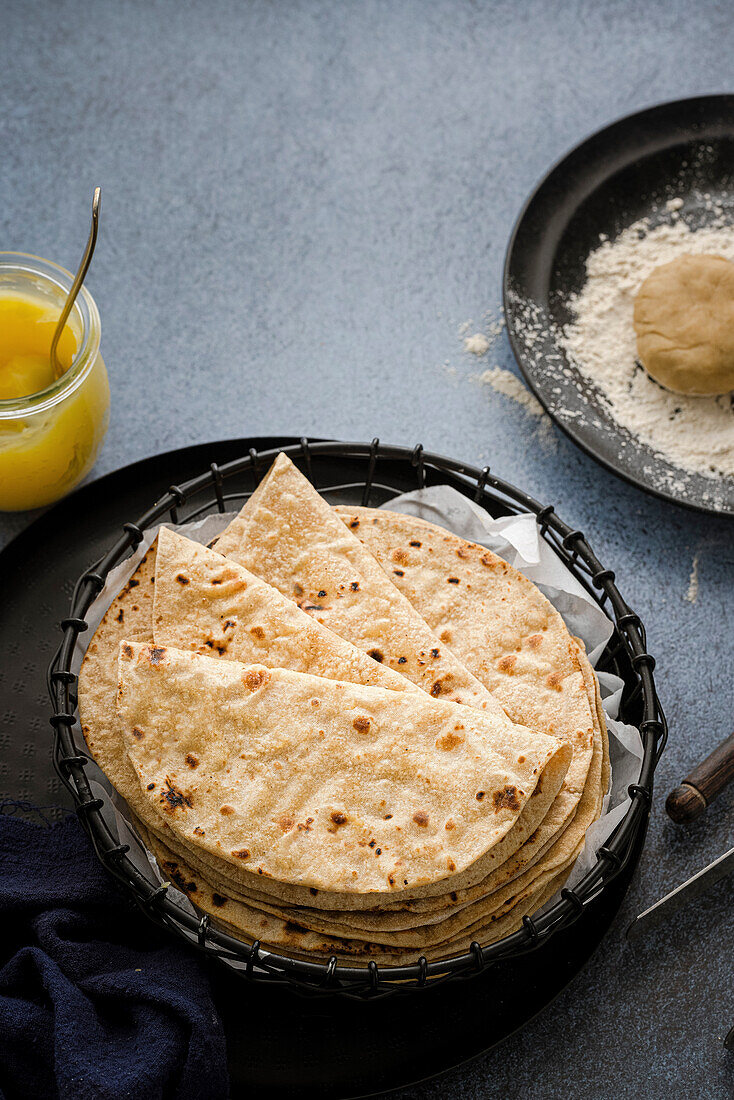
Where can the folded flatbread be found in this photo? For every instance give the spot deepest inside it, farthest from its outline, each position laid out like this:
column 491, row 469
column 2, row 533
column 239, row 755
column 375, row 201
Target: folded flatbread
column 211, row 605
column 508, row 635
column 319, row 782
column 476, row 882
column 245, row 921
column 288, row 535
column 384, row 926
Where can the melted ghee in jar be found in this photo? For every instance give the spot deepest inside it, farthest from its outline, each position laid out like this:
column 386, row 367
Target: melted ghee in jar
column 26, row 332
column 47, row 449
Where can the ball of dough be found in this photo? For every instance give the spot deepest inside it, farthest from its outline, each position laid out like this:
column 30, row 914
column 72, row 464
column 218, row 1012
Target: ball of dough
column 684, row 320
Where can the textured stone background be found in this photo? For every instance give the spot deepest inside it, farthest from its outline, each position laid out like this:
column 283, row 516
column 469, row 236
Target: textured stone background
column 302, row 203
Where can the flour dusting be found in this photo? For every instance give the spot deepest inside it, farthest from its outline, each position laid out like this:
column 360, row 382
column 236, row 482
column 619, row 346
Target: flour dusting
column 692, row 593
column 509, row 385
column 505, row 382
column 478, row 344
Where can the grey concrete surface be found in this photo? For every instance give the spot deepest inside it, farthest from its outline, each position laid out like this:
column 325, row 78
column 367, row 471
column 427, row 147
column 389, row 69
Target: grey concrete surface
column 303, row 201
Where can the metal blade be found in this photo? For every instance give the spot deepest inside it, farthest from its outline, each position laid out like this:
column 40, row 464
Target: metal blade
column 682, row 895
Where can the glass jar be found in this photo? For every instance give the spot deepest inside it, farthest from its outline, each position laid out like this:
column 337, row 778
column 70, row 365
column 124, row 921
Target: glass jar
column 49, row 440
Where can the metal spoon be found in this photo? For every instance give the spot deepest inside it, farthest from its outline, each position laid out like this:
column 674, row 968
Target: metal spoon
column 58, row 369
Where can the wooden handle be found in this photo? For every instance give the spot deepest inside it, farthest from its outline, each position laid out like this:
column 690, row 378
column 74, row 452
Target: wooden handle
column 701, row 787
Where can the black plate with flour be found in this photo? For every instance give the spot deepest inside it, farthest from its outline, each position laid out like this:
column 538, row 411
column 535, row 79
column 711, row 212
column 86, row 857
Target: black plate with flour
column 278, row 1041
column 623, row 173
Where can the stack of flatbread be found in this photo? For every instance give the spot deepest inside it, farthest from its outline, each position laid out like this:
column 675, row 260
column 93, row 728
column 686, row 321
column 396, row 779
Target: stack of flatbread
column 346, row 731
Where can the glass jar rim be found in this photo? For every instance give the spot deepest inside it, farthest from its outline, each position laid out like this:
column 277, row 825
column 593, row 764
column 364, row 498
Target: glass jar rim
column 84, row 310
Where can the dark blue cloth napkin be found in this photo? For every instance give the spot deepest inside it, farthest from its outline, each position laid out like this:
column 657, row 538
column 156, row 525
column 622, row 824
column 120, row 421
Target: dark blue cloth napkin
column 95, row 1002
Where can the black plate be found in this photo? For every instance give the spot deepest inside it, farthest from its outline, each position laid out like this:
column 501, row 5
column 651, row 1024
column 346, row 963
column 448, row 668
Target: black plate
column 278, row 1041
column 617, row 176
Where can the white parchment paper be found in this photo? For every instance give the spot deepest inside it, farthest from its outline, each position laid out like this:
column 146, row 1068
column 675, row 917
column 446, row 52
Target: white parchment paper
column 514, row 538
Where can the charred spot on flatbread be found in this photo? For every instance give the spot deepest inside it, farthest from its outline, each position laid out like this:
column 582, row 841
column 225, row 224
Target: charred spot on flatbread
column 507, row 798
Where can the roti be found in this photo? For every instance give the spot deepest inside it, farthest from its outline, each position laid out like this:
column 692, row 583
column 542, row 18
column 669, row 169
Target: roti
column 384, row 926
column 316, row 782
column 245, row 921
column 507, row 633
column 443, row 897
column 206, row 603
column 288, row 535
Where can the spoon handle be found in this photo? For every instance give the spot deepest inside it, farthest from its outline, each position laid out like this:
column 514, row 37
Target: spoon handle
column 75, row 286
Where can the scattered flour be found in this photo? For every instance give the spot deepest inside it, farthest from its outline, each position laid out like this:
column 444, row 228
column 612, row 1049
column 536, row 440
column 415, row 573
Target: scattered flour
column 509, row 385
column 692, row 593
column 478, row 344
column 495, row 326
column 503, row 381
column 481, row 342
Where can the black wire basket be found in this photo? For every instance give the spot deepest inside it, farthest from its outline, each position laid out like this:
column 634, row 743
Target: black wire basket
column 364, row 473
